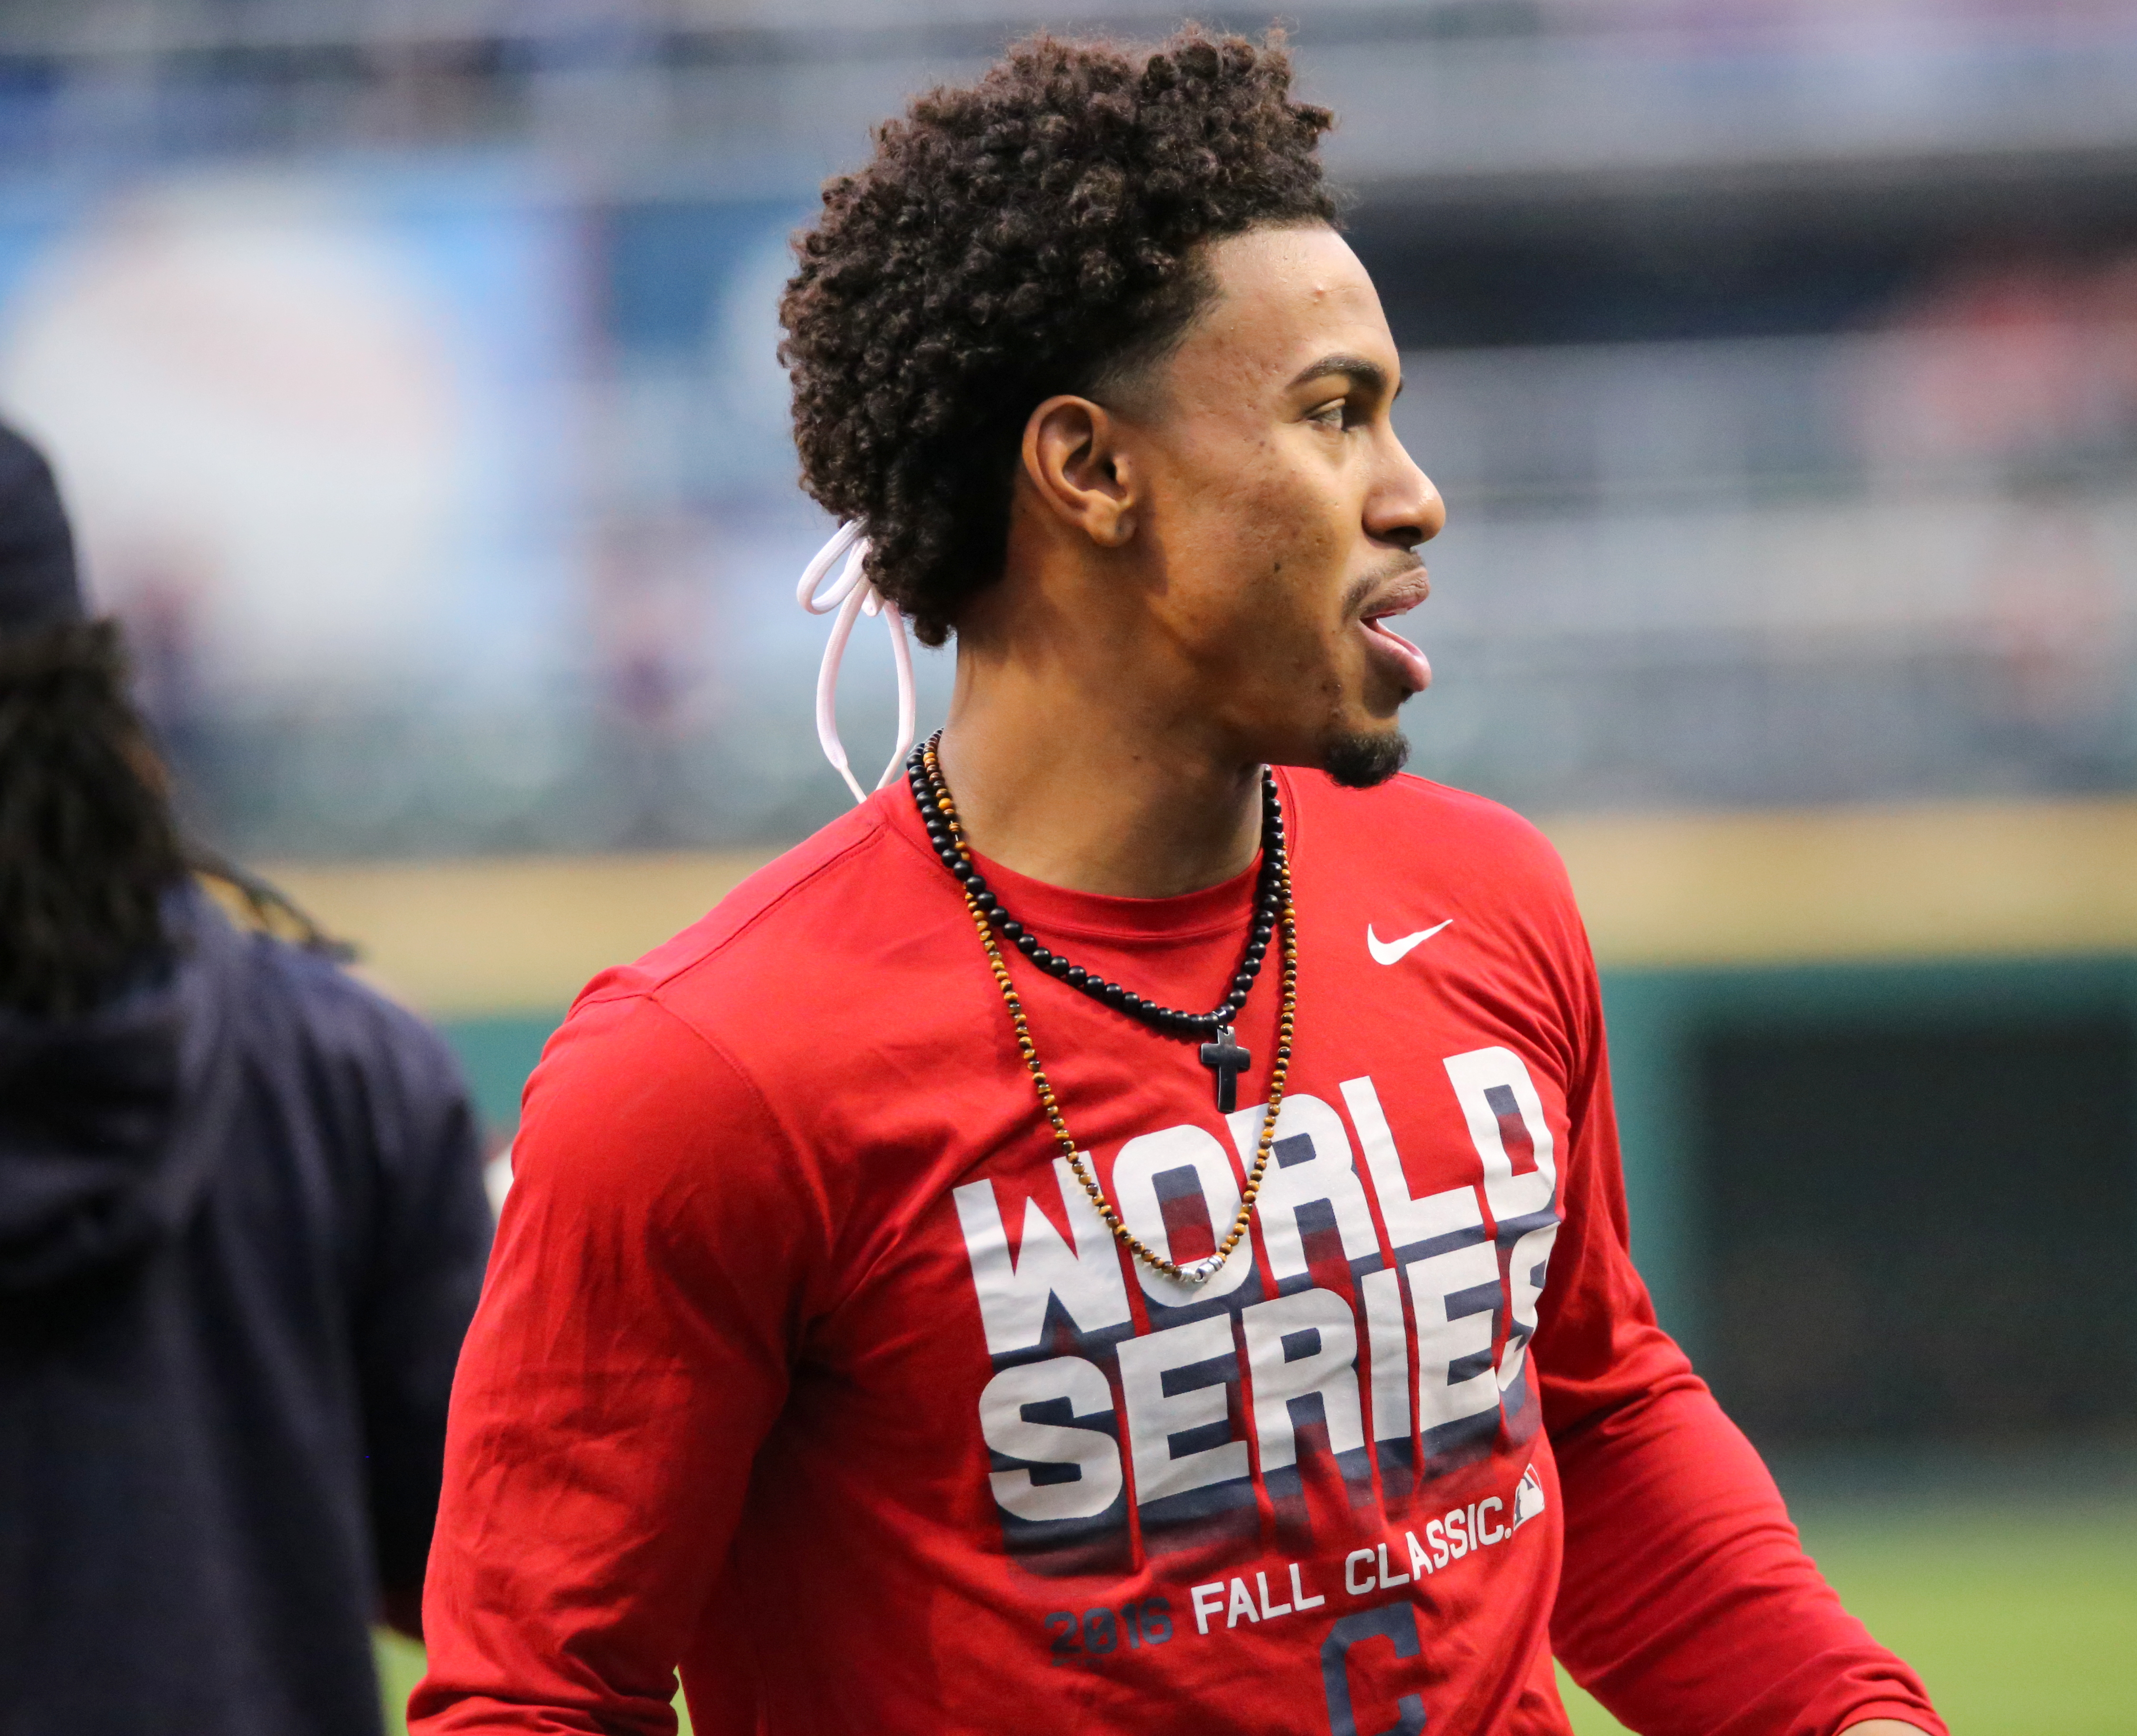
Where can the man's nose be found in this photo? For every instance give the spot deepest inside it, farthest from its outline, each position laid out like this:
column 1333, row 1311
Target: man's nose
column 1406, row 508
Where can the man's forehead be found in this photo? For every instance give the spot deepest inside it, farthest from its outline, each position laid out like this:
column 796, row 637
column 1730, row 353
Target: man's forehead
column 1286, row 297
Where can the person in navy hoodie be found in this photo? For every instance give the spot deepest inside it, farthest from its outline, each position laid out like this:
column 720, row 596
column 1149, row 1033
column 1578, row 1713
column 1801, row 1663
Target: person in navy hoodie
column 243, row 1229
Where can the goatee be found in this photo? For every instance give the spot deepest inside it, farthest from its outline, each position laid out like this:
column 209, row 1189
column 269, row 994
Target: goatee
column 1360, row 761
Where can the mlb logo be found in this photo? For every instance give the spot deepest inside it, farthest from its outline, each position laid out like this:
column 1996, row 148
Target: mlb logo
column 1528, row 1499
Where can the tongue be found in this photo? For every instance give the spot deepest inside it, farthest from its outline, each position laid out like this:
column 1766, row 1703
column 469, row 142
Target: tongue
column 1420, row 672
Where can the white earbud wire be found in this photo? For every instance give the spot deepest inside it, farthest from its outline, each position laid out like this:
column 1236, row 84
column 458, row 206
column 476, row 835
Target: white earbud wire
column 851, row 595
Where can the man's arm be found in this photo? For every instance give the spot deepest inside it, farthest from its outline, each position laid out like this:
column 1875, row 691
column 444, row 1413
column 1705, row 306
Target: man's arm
column 630, row 1351
column 1687, row 1604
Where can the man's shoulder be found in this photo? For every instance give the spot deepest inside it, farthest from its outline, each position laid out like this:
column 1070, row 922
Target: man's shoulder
column 1410, row 820
column 739, row 1018
column 792, row 930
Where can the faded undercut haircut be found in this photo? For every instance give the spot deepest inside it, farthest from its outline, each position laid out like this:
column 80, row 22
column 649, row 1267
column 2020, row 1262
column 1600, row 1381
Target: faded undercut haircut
column 1032, row 234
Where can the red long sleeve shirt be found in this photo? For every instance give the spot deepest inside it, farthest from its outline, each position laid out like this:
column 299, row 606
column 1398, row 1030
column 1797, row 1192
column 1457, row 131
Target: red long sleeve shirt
column 805, row 1365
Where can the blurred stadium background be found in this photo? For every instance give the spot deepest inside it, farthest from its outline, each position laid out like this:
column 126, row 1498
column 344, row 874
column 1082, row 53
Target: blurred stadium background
column 410, row 369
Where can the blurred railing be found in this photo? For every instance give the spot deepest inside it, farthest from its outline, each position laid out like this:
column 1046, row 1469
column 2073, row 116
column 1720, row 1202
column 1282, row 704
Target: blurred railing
column 1783, row 570
column 2040, row 401
column 1460, row 94
column 1739, row 574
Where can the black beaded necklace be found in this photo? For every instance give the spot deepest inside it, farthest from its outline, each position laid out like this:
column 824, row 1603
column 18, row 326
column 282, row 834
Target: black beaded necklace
column 1219, row 1052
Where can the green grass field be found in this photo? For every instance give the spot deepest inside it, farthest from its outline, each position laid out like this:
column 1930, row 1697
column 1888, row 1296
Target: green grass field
column 2022, row 1618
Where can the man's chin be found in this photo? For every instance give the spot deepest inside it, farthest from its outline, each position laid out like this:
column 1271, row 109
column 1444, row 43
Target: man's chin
column 1360, row 759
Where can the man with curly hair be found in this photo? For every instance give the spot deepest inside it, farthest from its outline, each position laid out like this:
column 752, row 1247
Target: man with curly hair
column 1123, row 1232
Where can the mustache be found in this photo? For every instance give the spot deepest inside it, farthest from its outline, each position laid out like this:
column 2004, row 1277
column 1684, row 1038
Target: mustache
column 1398, row 565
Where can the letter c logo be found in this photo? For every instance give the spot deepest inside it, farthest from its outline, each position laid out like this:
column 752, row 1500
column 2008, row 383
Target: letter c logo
column 1391, row 1622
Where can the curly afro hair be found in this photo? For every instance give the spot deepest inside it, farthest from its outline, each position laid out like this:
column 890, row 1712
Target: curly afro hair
column 1033, row 234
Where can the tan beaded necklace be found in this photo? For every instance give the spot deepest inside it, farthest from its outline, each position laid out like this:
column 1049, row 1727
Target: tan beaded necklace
column 1196, row 1272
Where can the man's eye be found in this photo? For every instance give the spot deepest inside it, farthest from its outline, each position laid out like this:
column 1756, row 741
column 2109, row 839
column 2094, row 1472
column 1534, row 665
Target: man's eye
column 1332, row 415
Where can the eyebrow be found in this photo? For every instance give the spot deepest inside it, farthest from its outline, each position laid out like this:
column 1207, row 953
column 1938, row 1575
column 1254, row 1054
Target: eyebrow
column 1358, row 369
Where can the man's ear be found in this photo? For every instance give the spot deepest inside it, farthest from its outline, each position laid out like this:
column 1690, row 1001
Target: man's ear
column 1072, row 458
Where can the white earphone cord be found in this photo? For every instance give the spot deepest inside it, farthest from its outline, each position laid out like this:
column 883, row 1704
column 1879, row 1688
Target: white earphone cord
column 852, row 596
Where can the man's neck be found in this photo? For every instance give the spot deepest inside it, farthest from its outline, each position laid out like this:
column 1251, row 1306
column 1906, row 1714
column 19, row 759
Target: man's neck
column 1056, row 778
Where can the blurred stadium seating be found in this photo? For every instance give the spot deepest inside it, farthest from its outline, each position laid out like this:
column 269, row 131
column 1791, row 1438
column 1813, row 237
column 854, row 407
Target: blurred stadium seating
column 412, row 371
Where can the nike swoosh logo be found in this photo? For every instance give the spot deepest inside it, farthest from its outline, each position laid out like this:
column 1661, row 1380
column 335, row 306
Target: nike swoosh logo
column 1390, row 952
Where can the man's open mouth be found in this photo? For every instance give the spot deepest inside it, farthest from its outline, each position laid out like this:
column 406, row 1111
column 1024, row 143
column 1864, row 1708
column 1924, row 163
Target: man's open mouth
column 1405, row 660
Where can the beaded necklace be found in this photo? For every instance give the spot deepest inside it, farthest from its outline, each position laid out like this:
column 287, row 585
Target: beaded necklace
column 1273, row 911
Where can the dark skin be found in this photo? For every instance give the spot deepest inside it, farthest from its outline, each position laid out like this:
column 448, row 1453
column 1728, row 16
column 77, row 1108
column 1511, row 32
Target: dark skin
column 1193, row 566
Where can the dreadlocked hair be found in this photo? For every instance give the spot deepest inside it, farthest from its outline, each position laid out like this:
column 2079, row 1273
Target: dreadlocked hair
column 1034, row 233
column 88, row 846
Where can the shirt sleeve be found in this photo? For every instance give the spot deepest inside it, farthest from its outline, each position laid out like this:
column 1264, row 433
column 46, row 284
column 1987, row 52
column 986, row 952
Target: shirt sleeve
column 1687, row 1604
column 429, row 1237
column 630, row 1352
